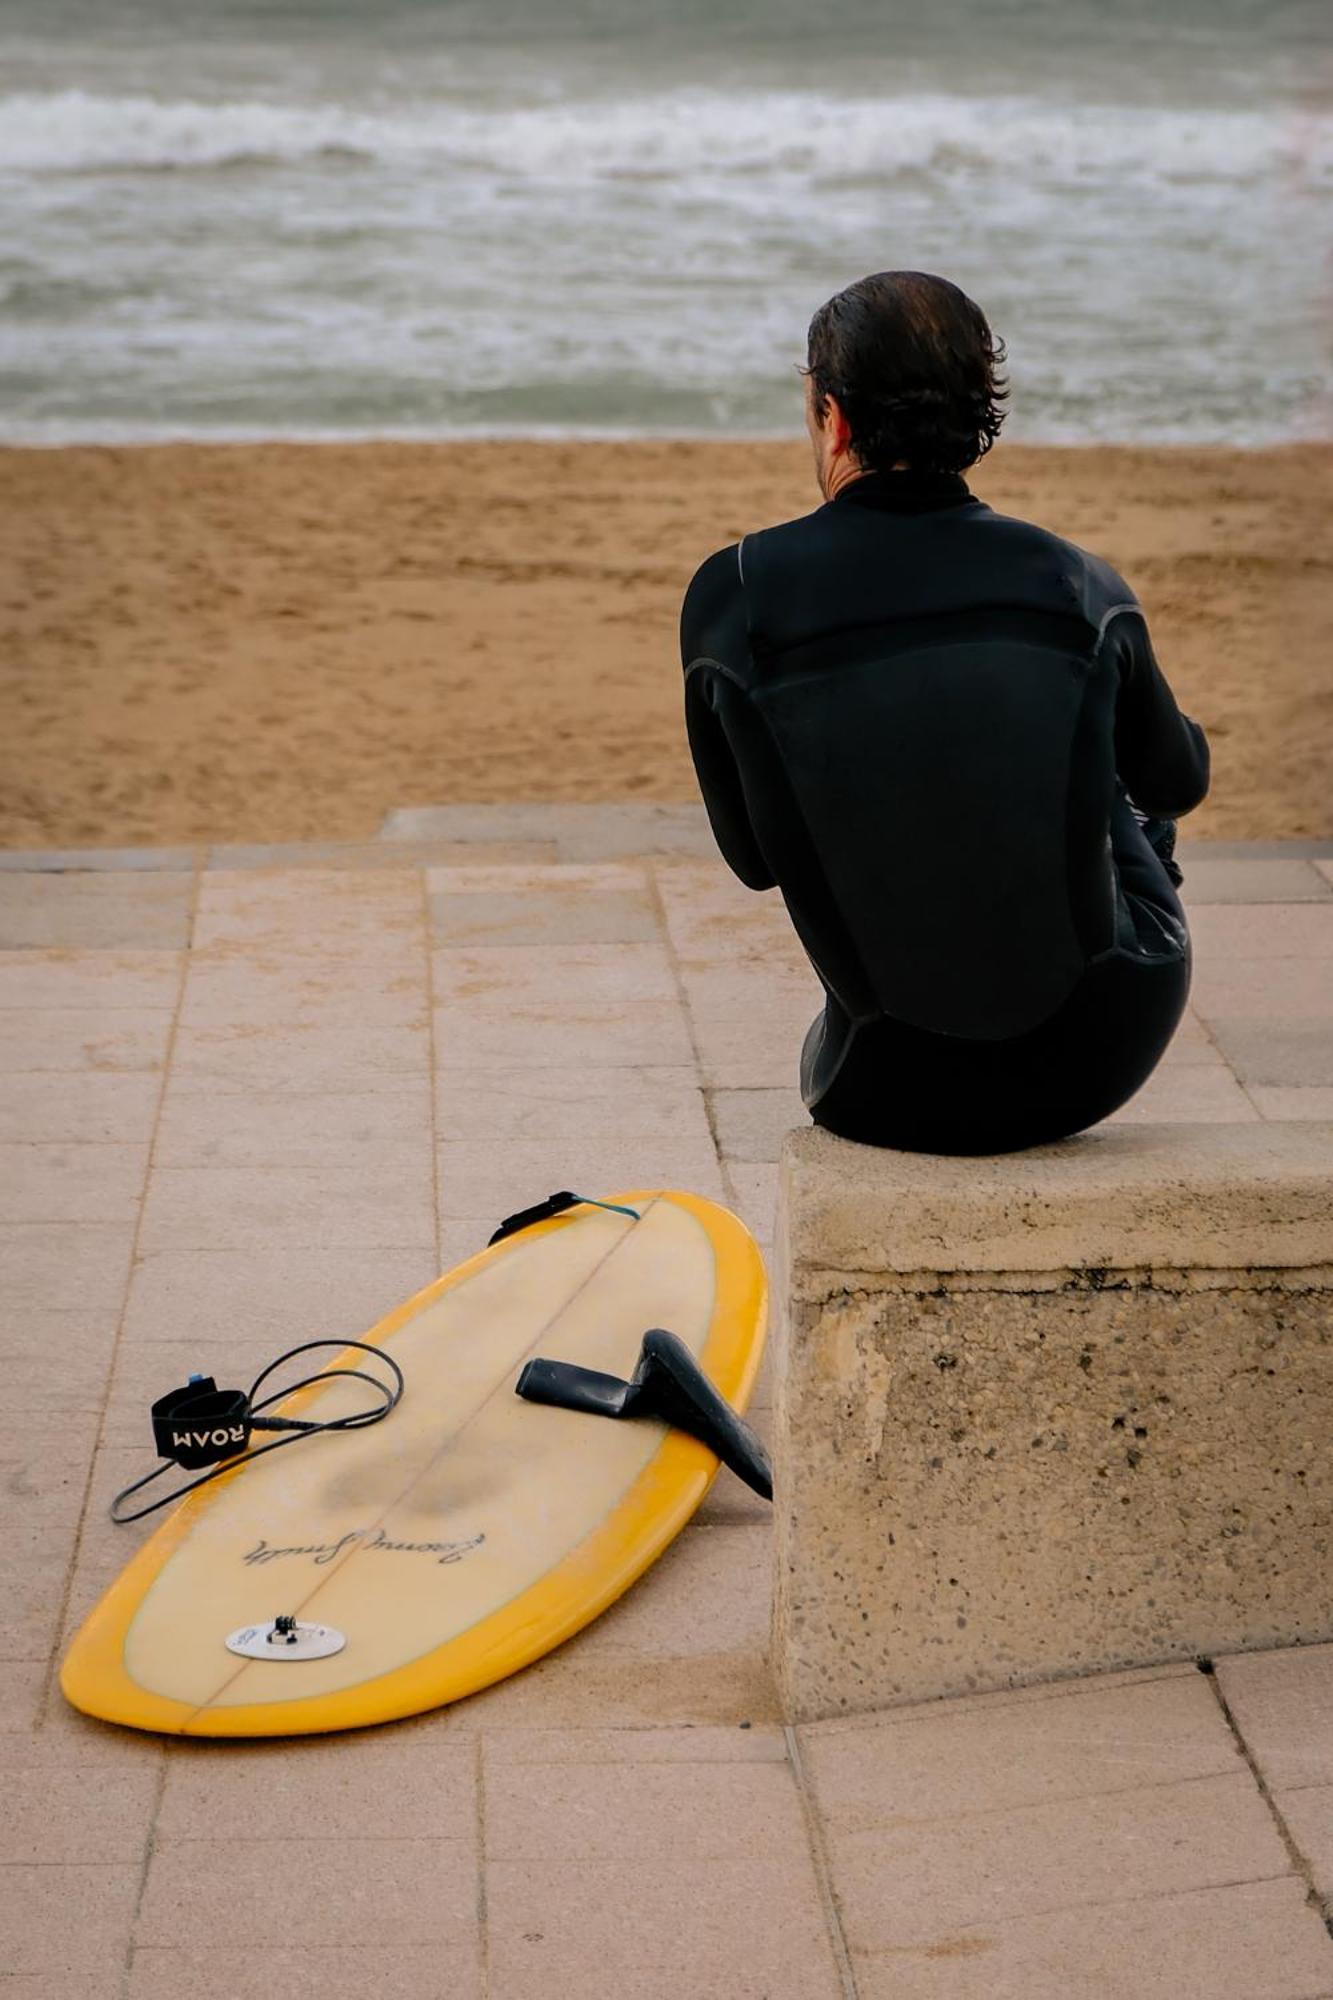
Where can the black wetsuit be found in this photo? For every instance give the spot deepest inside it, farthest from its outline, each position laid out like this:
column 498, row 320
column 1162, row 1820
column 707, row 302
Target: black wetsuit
column 924, row 722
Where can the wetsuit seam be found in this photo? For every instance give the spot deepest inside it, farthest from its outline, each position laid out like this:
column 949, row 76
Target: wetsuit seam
column 718, row 666
column 1115, row 611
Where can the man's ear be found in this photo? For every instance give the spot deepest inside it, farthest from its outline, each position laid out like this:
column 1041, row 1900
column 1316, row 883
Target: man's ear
column 836, row 428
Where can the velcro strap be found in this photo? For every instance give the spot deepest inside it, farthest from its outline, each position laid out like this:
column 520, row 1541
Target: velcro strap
column 200, row 1424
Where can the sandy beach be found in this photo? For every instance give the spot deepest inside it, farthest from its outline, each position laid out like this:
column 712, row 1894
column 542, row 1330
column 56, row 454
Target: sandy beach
column 283, row 642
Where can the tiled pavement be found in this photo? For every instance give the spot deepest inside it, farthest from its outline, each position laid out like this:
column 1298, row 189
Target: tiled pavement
column 249, row 1095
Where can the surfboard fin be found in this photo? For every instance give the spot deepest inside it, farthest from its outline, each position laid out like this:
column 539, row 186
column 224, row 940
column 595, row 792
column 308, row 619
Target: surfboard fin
column 668, row 1384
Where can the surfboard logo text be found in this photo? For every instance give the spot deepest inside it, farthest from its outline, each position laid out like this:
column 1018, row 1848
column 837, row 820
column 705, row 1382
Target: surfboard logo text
column 228, row 1434
column 323, row 1553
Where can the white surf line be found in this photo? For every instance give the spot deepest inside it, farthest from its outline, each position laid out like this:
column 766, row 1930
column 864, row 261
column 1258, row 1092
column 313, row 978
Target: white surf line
column 339, row 1564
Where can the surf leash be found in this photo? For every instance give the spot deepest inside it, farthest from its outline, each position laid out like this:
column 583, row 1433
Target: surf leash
column 554, row 1204
column 202, row 1425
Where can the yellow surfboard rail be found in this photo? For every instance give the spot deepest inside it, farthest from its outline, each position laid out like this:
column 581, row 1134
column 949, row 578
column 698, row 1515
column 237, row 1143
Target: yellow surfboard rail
column 589, row 1577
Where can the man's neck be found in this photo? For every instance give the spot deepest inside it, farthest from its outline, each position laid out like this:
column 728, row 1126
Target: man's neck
column 847, row 469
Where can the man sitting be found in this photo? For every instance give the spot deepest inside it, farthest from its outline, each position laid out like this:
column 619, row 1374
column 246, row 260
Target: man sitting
column 939, row 732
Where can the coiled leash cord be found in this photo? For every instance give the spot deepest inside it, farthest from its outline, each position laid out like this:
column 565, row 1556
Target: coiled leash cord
column 204, row 1425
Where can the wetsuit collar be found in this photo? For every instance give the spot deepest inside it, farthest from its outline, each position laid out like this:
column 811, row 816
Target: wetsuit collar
column 904, row 492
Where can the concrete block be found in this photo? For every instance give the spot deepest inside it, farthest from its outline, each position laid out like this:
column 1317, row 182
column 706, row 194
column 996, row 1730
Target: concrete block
column 1049, row 1413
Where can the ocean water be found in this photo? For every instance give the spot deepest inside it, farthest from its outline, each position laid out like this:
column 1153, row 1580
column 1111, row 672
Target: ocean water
column 228, row 218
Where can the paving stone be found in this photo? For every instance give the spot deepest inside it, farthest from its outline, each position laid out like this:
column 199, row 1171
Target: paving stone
column 751, row 1124
column 58, row 1922
column 713, row 918
column 567, row 883
column 540, row 918
column 578, row 831
column 1308, row 1816
column 1246, row 1941
column 390, row 1972
column 268, row 1292
column 911, row 1883
column 1279, row 1101
column 147, row 911
column 22, row 1689
column 1288, row 989
column 96, row 860
column 83, row 1038
column 756, row 1186
column 53, row 1814
column 106, row 1983
column 750, row 1928
column 49, row 1265
column 686, row 1645
column 311, row 1060
column 607, row 904
column 239, row 1208
column 410, row 1783
column 534, row 1103
column 55, row 1363
column 1281, row 880
column 229, row 987
column 1262, row 931
column 1256, row 850
column 764, row 997
column 326, row 913
column 366, row 1129
column 90, row 979
column 1293, row 1054
column 557, row 1006
column 45, row 1459
column 293, row 1895
column 609, row 1811
column 1191, row 1043
column 588, row 1747
column 1283, row 1707
column 942, row 1759
column 367, row 854
column 80, row 1106
column 104, row 1546
column 72, row 1183
column 462, row 1236
column 1188, row 1093
column 731, row 1059
column 515, row 1173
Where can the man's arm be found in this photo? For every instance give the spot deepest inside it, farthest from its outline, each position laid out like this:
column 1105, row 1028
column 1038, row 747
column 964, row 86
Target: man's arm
column 713, row 636
column 1161, row 754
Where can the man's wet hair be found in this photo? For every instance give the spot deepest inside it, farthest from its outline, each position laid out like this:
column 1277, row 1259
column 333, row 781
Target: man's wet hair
column 915, row 369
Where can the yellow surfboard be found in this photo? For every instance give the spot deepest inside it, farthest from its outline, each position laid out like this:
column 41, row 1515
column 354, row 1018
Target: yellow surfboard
column 471, row 1531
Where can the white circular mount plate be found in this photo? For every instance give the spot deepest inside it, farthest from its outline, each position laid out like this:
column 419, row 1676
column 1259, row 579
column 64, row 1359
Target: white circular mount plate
column 264, row 1642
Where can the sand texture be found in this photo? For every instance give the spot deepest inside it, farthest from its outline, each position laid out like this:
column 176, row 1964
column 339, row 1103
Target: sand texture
column 282, row 642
